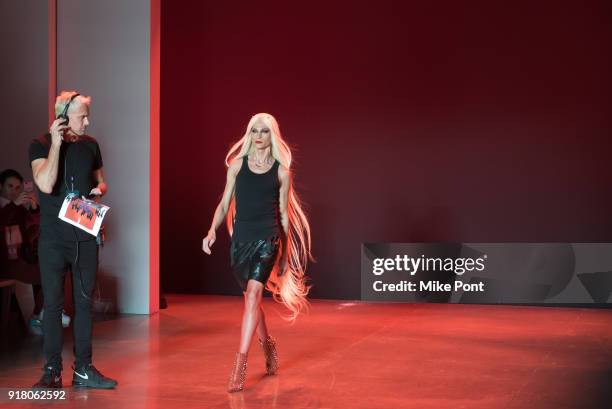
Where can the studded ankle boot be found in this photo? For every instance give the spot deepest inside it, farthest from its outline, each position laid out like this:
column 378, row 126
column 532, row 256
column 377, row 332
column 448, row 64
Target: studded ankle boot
column 269, row 349
column 238, row 375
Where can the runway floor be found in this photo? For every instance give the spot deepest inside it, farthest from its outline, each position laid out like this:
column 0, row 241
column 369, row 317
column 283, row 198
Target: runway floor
column 343, row 355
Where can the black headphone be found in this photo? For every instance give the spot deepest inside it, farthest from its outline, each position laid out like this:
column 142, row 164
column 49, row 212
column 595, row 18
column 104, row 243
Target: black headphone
column 64, row 114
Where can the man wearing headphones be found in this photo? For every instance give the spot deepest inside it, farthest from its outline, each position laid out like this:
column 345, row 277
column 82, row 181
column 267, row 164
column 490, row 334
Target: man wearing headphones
column 66, row 161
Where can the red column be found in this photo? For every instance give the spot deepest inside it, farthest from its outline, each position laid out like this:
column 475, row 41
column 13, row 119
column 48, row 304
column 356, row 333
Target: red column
column 52, row 83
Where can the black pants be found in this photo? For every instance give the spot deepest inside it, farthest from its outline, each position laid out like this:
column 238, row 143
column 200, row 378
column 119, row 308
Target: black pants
column 54, row 256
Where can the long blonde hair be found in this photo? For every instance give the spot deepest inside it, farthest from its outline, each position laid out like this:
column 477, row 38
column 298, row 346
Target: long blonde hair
column 290, row 288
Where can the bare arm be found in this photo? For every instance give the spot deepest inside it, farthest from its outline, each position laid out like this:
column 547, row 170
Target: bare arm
column 285, row 183
column 44, row 170
column 100, row 189
column 223, row 206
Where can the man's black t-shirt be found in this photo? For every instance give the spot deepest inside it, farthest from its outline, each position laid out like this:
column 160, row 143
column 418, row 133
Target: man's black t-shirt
column 77, row 162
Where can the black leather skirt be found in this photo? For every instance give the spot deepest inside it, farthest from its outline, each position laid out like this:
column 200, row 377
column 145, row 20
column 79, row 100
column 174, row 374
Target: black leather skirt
column 253, row 260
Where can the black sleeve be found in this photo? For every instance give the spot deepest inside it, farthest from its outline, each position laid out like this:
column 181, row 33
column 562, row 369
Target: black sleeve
column 37, row 150
column 98, row 159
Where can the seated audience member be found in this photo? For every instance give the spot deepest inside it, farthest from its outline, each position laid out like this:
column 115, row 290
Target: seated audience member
column 19, row 230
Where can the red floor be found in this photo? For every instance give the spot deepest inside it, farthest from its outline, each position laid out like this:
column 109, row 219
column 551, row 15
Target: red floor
column 345, row 355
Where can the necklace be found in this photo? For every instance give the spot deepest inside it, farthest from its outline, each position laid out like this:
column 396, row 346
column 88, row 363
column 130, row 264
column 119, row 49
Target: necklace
column 261, row 164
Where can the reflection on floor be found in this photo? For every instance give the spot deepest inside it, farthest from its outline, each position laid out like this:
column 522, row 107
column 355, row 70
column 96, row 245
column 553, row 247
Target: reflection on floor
column 344, row 355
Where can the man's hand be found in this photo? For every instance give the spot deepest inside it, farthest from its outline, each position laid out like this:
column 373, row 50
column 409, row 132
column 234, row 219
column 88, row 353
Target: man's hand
column 95, row 192
column 208, row 241
column 57, row 132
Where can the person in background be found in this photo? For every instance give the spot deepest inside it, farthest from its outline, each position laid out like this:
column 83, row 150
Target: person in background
column 19, row 229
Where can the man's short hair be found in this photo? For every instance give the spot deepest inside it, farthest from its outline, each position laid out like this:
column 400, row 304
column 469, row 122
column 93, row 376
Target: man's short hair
column 10, row 173
column 64, row 98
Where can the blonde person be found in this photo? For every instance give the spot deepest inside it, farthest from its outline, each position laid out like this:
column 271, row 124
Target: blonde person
column 67, row 161
column 270, row 244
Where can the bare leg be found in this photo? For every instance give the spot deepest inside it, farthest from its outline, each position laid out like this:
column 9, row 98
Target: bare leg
column 268, row 344
column 262, row 329
column 252, row 314
column 250, row 321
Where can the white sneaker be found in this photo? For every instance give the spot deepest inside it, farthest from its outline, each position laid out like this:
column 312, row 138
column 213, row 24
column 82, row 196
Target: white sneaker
column 35, row 325
column 65, row 318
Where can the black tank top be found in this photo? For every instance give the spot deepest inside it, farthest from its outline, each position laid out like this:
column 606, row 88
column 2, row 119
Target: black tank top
column 257, row 209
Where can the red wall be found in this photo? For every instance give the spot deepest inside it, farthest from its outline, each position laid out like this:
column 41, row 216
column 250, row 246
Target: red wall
column 410, row 122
